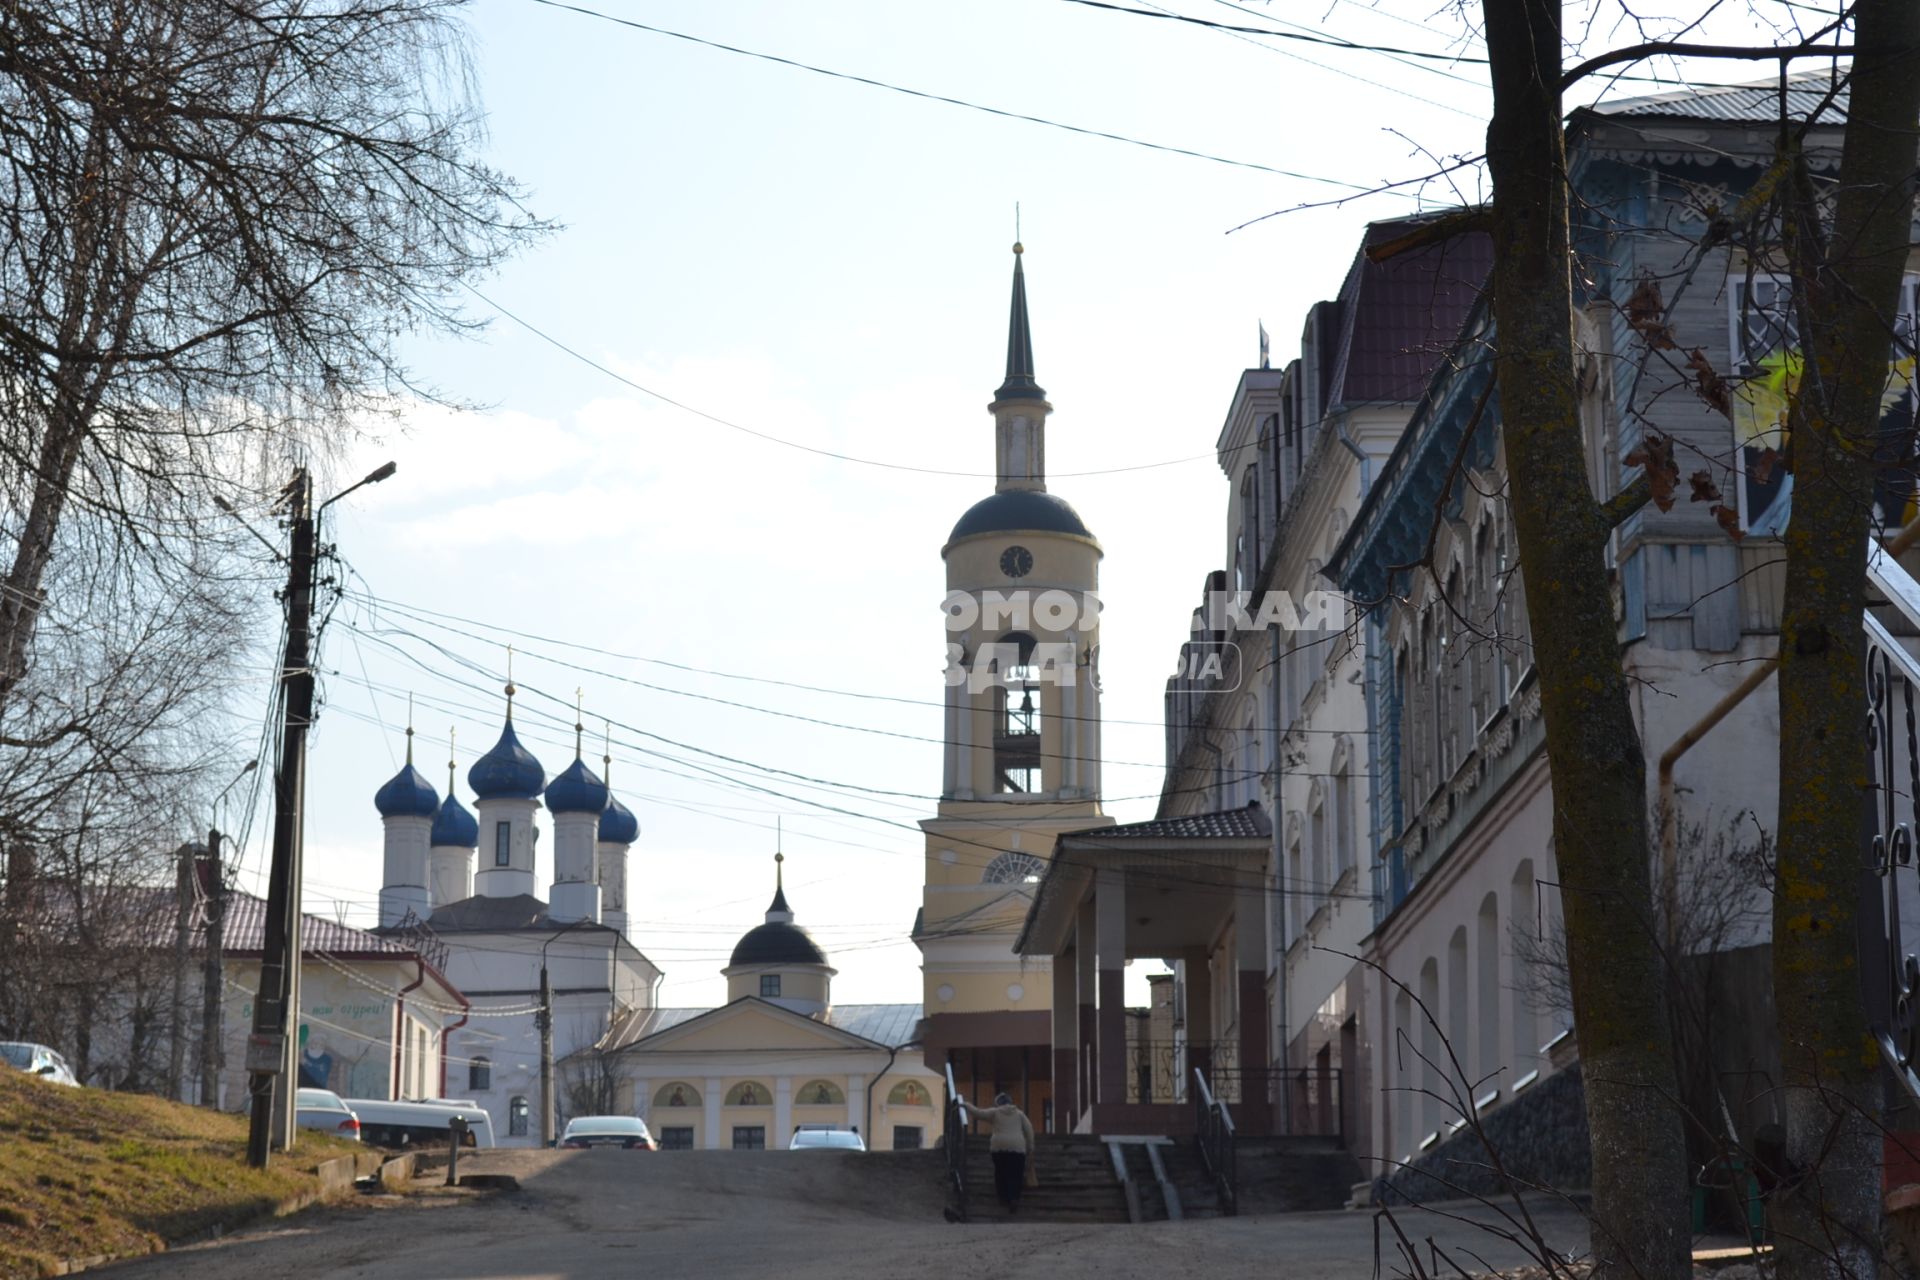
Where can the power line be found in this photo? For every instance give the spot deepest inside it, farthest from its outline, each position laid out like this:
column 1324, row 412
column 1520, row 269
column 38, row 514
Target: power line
column 1335, row 42
column 624, row 380
column 961, row 102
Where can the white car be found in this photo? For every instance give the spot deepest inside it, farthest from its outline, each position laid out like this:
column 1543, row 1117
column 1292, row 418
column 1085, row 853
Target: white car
column 827, row 1140
column 323, row 1110
column 37, row 1060
column 627, row 1132
column 417, row 1124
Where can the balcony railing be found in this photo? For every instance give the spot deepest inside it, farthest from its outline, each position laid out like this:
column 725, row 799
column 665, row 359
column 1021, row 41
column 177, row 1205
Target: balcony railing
column 1890, row 981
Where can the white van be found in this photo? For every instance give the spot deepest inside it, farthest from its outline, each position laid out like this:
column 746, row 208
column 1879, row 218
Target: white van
column 417, row 1124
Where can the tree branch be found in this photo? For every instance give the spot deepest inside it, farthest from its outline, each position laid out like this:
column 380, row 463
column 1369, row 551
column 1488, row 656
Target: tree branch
column 1461, row 222
column 1680, row 49
column 1620, row 508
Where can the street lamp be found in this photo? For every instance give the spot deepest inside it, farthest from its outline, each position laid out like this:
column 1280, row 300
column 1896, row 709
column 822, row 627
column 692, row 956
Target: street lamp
column 270, row 1050
column 546, row 1034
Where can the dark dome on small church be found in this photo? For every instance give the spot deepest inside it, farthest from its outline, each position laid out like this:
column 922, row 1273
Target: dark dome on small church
column 1020, row 511
column 777, row 942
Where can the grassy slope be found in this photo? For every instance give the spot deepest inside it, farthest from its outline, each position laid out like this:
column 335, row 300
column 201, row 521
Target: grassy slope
column 84, row 1173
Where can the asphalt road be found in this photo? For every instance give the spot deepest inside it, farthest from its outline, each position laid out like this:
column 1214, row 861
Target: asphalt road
column 800, row 1216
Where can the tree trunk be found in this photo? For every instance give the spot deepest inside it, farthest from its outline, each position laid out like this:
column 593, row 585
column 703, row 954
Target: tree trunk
column 1827, row 1218
column 1599, row 785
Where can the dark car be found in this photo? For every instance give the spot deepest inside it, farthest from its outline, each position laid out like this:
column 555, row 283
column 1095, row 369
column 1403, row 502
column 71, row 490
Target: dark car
column 608, row 1131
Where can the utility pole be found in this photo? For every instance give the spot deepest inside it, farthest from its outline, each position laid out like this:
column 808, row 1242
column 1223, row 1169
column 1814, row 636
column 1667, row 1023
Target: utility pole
column 267, row 1049
column 546, row 1055
column 177, row 1014
column 271, row 1050
column 212, row 992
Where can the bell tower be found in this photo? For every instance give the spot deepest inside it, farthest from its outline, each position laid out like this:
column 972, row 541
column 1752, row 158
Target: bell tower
column 1022, row 745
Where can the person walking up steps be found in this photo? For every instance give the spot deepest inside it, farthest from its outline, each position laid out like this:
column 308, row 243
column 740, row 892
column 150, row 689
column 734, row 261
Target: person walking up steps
column 1011, row 1147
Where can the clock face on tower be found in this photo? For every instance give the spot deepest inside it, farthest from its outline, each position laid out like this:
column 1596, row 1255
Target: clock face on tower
column 1016, row 562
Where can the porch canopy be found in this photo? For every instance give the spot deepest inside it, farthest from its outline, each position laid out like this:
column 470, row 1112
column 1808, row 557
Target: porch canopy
column 1191, row 888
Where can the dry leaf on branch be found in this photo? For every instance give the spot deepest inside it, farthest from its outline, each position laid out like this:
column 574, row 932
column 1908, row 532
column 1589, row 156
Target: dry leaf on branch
column 1655, row 453
column 1704, row 489
column 1644, row 311
column 1707, row 381
column 1729, row 521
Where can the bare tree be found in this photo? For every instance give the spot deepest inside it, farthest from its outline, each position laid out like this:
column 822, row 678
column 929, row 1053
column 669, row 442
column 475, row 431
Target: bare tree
column 1846, row 267
column 217, row 218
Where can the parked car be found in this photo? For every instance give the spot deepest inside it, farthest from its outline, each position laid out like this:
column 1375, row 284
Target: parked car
column 37, row 1060
column 812, row 1139
column 323, row 1109
column 608, row 1131
column 477, row 1118
column 417, row 1124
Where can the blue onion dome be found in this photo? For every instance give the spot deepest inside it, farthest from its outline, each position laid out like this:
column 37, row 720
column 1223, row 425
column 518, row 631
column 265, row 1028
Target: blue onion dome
column 577, row 790
column 407, row 794
column 508, row 772
column 617, row 823
column 454, row 827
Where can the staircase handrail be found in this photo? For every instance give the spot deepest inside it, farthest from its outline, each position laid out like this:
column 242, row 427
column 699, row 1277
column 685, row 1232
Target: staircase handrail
column 957, row 1118
column 1213, row 1125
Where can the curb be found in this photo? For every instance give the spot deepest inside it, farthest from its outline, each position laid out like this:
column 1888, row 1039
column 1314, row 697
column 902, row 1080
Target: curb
column 335, row 1178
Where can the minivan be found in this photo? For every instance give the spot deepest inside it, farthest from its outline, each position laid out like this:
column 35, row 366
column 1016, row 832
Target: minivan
column 417, row 1124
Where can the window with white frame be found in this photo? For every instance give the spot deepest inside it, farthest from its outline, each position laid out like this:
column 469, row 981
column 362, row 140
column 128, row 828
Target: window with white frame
column 1317, row 844
column 1346, row 819
column 1295, row 890
column 1763, row 334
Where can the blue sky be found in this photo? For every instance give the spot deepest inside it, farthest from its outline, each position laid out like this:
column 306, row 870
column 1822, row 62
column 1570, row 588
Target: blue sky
column 828, row 263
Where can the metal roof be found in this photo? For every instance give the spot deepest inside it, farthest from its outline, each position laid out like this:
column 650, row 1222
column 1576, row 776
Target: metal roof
column 1396, row 319
column 1246, row 823
column 892, row 1025
column 1756, row 103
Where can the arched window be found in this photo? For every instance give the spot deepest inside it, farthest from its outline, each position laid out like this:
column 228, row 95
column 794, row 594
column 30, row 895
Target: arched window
column 1317, row 850
column 1456, row 1004
column 1487, row 996
column 820, row 1093
column 1017, row 702
column 749, row 1093
column 517, row 1115
column 480, row 1075
column 1013, row 868
column 1432, row 1089
column 677, row 1094
column 1523, row 920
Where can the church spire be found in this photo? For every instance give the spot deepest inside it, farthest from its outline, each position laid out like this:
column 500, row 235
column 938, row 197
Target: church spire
column 1019, row 384
column 779, row 912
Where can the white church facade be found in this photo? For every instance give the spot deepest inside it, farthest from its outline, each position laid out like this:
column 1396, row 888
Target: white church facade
column 468, row 879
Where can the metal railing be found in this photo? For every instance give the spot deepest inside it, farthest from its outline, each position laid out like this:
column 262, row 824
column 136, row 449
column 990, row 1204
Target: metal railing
column 1314, row 1104
column 1157, row 1070
column 1890, row 981
column 1213, row 1124
column 954, row 1138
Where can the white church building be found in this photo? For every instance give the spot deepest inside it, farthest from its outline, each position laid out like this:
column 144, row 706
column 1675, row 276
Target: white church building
column 468, row 879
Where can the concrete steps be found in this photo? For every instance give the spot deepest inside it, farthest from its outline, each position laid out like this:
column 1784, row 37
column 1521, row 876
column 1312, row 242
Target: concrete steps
column 1076, row 1184
column 1199, row 1197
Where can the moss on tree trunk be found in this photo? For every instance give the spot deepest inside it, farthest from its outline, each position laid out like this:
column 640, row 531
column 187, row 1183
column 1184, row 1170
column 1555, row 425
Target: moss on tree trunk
column 1846, row 284
column 1600, row 823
